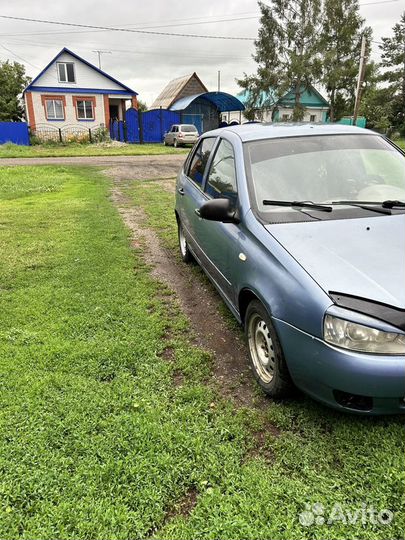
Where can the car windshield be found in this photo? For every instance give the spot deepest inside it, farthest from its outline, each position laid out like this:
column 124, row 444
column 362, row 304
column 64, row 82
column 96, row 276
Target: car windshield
column 188, row 129
column 325, row 169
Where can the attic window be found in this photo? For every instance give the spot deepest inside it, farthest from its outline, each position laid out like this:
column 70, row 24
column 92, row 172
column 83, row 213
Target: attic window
column 66, row 72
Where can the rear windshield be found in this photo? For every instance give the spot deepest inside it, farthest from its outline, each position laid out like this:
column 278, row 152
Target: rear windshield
column 188, row 129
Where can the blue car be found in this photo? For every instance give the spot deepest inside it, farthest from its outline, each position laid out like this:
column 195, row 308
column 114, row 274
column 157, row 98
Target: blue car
column 301, row 228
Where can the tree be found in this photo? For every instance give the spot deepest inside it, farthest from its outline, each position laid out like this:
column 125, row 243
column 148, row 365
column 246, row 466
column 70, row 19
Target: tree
column 287, row 51
column 142, row 107
column 393, row 61
column 377, row 106
column 340, row 44
column 13, row 80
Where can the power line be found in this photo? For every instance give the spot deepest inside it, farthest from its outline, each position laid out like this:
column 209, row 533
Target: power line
column 175, row 24
column 169, row 53
column 19, row 57
column 131, row 30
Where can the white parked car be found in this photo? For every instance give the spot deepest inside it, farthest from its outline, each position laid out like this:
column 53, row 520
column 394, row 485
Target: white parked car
column 181, row 134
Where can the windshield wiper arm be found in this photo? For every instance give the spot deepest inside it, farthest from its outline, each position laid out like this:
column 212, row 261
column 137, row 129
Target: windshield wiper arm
column 302, row 204
column 393, row 204
column 384, row 210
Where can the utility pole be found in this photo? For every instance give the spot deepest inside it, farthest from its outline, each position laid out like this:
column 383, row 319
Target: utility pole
column 360, row 80
column 219, row 81
column 99, row 53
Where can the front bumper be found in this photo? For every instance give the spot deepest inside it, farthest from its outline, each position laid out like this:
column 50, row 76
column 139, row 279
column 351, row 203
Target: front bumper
column 320, row 370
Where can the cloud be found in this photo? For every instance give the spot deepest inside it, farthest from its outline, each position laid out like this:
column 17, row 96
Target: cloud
column 147, row 62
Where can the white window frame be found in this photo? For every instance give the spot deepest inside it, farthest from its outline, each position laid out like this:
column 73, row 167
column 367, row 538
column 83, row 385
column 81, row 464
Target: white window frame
column 54, row 109
column 65, row 70
column 85, row 112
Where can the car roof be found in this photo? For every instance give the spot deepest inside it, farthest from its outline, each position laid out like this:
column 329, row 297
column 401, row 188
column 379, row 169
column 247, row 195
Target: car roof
column 252, row 132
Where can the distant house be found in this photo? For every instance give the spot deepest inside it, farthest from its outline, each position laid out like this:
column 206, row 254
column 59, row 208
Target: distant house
column 189, row 97
column 70, row 91
column 271, row 108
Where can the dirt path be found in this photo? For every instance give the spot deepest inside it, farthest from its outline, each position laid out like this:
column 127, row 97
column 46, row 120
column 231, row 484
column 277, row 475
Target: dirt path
column 198, row 299
column 160, row 166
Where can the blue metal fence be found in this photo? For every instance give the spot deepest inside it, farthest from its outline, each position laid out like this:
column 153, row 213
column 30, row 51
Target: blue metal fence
column 156, row 123
column 144, row 127
column 14, row 132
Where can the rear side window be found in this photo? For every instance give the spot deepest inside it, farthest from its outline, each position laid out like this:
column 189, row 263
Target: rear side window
column 200, row 159
column 188, row 129
column 222, row 176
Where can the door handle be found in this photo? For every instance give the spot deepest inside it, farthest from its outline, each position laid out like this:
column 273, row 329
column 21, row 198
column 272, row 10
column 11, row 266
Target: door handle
column 197, row 212
column 181, row 191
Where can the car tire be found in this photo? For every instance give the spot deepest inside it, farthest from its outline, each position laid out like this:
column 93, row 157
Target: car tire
column 185, row 253
column 164, row 142
column 175, row 144
column 265, row 352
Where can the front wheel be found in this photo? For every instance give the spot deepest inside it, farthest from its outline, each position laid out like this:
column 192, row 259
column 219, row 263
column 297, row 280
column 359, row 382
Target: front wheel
column 185, row 253
column 265, row 352
column 176, row 144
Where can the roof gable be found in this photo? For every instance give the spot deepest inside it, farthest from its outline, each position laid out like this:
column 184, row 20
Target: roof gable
column 66, row 51
column 189, row 85
column 310, row 97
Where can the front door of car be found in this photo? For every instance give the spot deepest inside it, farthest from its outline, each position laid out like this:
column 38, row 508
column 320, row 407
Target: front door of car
column 219, row 241
column 190, row 193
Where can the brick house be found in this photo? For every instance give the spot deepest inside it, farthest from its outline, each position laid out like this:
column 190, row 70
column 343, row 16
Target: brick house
column 70, row 91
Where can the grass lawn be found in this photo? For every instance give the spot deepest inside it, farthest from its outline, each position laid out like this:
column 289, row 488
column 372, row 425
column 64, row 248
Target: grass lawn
column 9, row 150
column 100, row 440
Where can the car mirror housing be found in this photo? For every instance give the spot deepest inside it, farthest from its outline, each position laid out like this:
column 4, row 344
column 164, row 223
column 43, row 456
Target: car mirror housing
column 219, row 210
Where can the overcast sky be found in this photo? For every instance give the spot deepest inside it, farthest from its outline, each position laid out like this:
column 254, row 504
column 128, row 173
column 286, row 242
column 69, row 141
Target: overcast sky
column 147, row 62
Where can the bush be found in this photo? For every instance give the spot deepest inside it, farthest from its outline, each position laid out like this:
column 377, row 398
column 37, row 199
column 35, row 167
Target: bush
column 100, row 134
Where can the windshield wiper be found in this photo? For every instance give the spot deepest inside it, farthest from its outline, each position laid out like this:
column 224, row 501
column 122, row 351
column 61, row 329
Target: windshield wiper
column 302, row 204
column 393, row 204
column 359, row 204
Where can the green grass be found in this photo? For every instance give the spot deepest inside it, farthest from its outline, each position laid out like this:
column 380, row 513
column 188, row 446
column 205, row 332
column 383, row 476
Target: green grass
column 10, row 150
column 98, row 441
column 401, row 143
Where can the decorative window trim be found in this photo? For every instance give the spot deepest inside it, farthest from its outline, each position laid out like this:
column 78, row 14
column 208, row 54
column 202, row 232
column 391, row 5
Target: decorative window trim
column 74, row 72
column 45, row 98
column 92, row 99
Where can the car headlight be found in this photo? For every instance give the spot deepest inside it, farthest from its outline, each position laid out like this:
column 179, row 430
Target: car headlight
column 357, row 337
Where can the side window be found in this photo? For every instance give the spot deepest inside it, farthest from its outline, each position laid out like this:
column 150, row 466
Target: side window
column 200, row 159
column 222, row 176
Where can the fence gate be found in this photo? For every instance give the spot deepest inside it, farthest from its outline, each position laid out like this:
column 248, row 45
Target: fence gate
column 155, row 124
column 132, row 125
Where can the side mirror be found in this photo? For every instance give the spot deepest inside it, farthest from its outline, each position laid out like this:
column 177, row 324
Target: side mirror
column 219, row 210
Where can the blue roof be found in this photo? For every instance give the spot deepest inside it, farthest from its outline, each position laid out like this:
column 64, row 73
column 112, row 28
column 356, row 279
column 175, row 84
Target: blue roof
column 222, row 100
column 66, row 50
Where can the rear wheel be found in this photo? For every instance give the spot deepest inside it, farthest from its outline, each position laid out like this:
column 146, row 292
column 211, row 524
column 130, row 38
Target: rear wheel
column 185, row 253
column 265, row 352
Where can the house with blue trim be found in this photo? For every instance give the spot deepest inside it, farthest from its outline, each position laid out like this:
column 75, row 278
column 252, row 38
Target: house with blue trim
column 271, row 108
column 70, row 91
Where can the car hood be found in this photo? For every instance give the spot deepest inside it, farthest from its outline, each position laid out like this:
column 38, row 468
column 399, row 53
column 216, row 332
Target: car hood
column 363, row 257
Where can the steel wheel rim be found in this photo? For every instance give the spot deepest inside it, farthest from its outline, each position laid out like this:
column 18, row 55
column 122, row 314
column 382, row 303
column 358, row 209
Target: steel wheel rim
column 182, row 242
column 261, row 348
